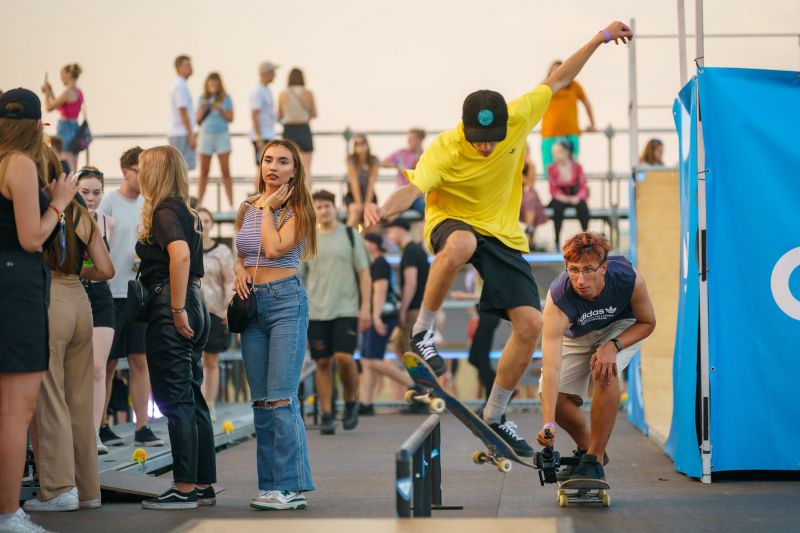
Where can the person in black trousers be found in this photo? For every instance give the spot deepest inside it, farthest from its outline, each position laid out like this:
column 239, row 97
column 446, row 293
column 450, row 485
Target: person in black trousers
column 170, row 247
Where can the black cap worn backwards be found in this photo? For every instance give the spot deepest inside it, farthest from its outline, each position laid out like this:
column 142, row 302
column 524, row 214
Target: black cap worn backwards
column 399, row 222
column 31, row 105
column 485, row 117
column 376, row 239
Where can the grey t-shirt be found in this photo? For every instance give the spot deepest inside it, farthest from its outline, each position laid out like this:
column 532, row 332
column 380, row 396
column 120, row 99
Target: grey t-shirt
column 126, row 214
column 330, row 278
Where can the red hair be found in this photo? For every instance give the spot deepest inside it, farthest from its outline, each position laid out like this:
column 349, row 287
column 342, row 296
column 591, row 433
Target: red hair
column 585, row 244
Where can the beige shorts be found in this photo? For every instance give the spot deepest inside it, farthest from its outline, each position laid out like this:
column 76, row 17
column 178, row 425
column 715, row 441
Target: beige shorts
column 577, row 352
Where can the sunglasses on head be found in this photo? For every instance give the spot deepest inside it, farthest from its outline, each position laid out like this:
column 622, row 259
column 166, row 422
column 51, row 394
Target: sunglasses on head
column 88, row 173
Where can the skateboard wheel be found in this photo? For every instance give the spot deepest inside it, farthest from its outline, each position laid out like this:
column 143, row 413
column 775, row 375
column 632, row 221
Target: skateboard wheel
column 478, row 457
column 409, row 396
column 504, row 465
column 606, row 499
column 437, row 406
column 563, row 501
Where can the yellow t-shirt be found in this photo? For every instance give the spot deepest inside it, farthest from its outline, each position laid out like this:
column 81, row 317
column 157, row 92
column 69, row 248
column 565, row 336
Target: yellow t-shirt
column 484, row 192
column 562, row 115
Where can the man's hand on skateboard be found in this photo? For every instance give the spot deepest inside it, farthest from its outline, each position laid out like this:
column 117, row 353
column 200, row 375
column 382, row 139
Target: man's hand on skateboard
column 372, row 215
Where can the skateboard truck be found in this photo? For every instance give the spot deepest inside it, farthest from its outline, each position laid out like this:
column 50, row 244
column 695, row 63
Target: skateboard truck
column 547, row 462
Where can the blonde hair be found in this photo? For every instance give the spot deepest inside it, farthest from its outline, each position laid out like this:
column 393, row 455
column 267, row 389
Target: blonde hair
column 300, row 201
column 74, row 70
column 162, row 174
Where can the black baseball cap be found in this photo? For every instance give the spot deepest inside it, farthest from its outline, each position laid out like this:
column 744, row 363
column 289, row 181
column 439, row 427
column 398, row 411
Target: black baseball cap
column 31, row 105
column 375, row 238
column 399, row 222
column 485, row 116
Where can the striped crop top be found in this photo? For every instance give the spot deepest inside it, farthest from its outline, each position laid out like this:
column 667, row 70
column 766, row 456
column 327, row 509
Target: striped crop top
column 249, row 236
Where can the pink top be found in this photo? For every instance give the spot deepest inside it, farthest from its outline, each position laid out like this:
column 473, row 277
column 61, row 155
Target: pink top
column 71, row 110
column 574, row 186
column 404, row 159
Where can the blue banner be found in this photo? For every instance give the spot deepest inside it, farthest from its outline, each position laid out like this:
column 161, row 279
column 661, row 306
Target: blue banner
column 682, row 444
column 751, row 127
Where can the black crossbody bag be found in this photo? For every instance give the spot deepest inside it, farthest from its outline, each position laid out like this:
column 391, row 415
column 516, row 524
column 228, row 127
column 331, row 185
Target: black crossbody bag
column 241, row 312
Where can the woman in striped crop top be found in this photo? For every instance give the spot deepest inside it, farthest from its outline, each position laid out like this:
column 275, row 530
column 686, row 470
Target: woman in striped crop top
column 274, row 230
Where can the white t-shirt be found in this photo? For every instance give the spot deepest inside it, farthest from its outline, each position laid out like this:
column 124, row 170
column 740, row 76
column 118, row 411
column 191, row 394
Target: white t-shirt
column 180, row 97
column 262, row 100
column 126, row 214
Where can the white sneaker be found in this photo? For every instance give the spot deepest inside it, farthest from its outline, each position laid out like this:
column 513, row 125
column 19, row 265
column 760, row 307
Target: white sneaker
column 278, row 500
column 21, row 523
column 66, row 501
column 102, row 449
column 212, row 413
column 90, row 504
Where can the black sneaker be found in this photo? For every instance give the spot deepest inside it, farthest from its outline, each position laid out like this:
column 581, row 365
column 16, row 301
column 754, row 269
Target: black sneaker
column 206, row 496
column 366, row 409
column 172, row 499
column 108, row 437
column 350, row 418
column 423, row 344
column 508, row 431
column 327, row 425
column 566, row 472
column 588, row 468
column 146, row 437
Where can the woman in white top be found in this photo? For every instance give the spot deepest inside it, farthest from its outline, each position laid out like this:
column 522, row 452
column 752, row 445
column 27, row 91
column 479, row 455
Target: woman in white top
column 296, row 108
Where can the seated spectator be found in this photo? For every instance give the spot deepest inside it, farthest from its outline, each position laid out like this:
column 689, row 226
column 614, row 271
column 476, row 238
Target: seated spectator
column 652, row 154
column 362, row 174
column 406, row 158
column 567, row 186
column 531, row 212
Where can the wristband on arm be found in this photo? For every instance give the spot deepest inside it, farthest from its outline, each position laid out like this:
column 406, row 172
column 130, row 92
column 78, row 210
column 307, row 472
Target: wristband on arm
column 549, row 425
column 606, row 35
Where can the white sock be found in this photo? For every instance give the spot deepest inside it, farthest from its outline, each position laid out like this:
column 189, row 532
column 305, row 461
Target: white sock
column 496, row 404
column 425, row 321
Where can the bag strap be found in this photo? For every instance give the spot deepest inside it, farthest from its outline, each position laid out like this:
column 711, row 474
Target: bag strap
column 260, row 242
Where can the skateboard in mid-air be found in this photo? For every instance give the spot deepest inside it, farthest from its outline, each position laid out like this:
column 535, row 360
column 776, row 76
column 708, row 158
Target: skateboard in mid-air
column 497, row 452
column 583, row 491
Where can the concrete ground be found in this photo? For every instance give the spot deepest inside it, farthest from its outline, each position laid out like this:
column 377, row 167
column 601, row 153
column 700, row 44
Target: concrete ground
column 354, row 477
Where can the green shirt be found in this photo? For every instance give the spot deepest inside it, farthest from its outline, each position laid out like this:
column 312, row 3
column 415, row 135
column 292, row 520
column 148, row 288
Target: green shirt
column 330, row 279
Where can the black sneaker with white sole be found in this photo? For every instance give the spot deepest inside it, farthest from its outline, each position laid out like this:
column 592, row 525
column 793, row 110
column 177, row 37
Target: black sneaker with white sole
column 108, row 437
column 173, row 499
column 146, row 437
column 206, row 496
column 567, row 470
column 423, row 344
column 588, row 468
column 508, row 431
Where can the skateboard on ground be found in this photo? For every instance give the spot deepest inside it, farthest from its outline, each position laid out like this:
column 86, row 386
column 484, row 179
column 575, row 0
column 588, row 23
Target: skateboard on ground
column 583, row 491
column 498, row 452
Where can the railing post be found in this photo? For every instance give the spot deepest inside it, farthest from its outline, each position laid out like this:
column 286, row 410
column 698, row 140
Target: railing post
column 416, row 472
column 403, row 484
column 436, row 466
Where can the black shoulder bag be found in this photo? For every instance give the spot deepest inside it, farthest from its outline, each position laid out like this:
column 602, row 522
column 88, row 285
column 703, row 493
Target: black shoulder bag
column 241, row 312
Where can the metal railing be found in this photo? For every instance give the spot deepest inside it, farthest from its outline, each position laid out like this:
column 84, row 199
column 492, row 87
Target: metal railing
column 418, row 479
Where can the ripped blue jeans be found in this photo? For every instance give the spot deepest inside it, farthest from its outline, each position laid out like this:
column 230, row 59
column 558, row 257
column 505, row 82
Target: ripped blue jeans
column 273, row 346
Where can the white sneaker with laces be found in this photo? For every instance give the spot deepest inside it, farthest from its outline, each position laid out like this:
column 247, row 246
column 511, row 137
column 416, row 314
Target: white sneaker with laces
column 278, row 500
column 66, row 501
column 21, row 523
column 102, row 449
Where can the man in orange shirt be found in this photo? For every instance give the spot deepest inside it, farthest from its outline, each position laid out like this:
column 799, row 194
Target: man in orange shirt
column 560, row 121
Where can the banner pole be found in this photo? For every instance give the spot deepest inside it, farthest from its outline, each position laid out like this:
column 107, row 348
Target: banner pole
column 702, row 227
column 633, row 109
column 682, row 42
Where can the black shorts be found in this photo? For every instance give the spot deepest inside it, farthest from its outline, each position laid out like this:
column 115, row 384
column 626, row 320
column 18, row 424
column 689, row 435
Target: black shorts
column 24, row 323
column 374, row 345
column 326, row 337
column 300, row 134
column 507, row 278
column 129, row 337
column 219, row 337
column 348, row 198
column 102, row 303
column 258, row 152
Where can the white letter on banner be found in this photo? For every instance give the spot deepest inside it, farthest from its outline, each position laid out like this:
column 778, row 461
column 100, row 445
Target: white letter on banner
column 779, row 282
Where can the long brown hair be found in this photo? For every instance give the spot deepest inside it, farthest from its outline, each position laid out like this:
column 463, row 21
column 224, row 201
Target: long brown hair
column 649, row 153
column 78, row 223
column 300, row 201
column 220, row 96
column 162, row 174
column 21, row 135
column 355, row 158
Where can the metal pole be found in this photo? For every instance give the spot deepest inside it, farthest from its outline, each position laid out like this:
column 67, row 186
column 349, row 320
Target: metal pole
column 436, row 466
column 403, row 484
column 682, row 42
column 416, row 471
column 705, row 446
column 633, row 112
column 426, row 477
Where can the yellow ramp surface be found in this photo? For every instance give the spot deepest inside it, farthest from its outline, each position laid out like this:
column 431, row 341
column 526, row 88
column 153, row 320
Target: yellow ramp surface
column 425, row 525
column 658, row 227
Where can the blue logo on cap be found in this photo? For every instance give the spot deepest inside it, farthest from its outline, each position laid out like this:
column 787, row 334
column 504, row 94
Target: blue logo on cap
column 485, row 117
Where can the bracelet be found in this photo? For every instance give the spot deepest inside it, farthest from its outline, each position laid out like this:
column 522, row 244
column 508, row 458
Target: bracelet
column 606, row 35
column 259, row 138
column 178, row 310
column 55, row 209
column 549, row 425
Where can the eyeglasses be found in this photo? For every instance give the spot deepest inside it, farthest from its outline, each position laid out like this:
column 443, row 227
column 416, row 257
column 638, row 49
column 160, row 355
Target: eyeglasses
column 586, row 271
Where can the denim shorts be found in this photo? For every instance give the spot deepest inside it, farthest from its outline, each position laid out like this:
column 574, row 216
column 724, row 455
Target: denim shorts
column 182, row 145
column 214, row 143
column 67, row 129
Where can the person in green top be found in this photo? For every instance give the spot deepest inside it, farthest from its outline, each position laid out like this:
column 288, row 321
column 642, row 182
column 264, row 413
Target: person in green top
column 338, row 284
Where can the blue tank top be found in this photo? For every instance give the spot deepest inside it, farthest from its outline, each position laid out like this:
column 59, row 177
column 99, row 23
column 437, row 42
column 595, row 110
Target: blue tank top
column 613, row 303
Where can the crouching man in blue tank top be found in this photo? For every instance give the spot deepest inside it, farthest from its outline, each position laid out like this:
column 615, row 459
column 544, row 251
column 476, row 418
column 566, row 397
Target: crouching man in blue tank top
column 597, row 314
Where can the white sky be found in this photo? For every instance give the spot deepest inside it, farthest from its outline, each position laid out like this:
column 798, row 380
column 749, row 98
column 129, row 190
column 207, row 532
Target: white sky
column 372, row 64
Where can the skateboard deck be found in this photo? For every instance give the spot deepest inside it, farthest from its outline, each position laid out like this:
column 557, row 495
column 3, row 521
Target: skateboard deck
column 498, row 453
column 583, row 491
